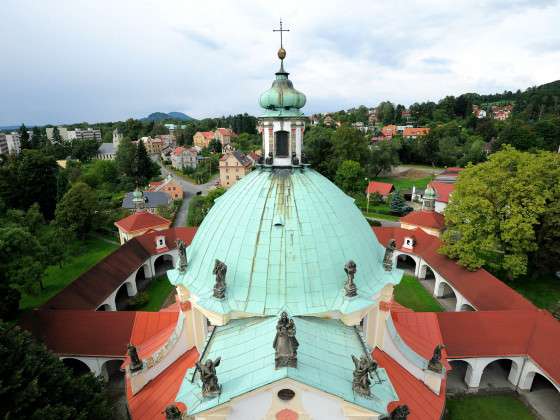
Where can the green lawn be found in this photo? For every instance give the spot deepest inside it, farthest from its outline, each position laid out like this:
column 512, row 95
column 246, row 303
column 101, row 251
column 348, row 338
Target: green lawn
column 543, row 291
column 158, row 290
column 410, row 293
column 406, row 183
column 487, row 407
column 85, row 255
column 382, row 216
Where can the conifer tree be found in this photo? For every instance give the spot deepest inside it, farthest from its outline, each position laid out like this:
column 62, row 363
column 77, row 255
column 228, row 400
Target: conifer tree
column 397, row 203
column 24, row 138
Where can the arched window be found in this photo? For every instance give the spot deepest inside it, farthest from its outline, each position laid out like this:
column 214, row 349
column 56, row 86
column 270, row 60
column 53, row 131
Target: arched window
column 282, row 145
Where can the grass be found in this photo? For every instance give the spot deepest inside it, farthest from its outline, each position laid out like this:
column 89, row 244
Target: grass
column 406, row 183
column 158, row 290
column 543, row 291
column 382, row 216
column 86, row 255
column 487, row 407
column 410, row 293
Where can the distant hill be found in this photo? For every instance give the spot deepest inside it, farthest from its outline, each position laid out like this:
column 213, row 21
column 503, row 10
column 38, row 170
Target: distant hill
column 160, row 116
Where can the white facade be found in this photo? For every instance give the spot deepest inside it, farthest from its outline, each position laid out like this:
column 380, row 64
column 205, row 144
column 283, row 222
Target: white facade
column 273, row 129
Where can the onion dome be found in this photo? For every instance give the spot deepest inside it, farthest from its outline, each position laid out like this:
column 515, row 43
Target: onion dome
column 282, row 99
column 429, row 193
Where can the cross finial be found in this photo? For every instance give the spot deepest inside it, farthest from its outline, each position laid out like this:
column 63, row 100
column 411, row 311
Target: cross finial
column 281, row 30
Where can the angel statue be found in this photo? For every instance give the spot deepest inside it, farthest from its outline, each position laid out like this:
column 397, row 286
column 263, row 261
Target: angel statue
column 285, row 342
column 182, row 250
column 365, row 368
column 435, row 362
column 350, row 286
column 210, row 386
column 220, row 270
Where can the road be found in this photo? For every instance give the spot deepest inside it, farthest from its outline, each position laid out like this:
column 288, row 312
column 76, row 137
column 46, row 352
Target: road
column 189, row 191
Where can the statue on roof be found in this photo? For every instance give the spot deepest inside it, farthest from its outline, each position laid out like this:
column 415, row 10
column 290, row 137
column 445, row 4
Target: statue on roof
column 350, row 287
column 400, row 413
column 295, row 160
column 220, row 270
column 182, row 250
column 269, row 159
column 135, row 362
column 435, row 362
column 285, row 342
column 210, row 386
column 172, row 412
column 388, row 258
column 365, row 367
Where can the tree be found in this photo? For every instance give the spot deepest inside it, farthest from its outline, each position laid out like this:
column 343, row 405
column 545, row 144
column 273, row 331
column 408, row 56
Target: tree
column 77, row 209
column 36, row 385
column 398, row 205
column 36, row 138
column 57, row 138
column 350, row 177
column 24, row 138
column 215, row 146
column 386, row 112
column 125, row 158
column 498, row 214
column 84, row 150
column 318, row 148
column 382, row 157
column 145, row 168
column 350, row 144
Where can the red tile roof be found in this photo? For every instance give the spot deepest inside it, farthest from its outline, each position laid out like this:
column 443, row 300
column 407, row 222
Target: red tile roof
column 430, row 219
column 225, row 131
column 154, row 184
column 443, row 190
column 422, row 402
column 82, row 333
column 150, row 402
column 207, row 134
column 142, row 220
column 178, row 151
column 381, row 188
column 415, row 131
column 479, row 287
column 504, row 333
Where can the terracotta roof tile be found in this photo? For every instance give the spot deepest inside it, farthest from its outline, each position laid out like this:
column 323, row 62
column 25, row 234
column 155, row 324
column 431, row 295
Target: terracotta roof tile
column 443, row 190
column 429, row 219
column 382, row 188
column 142, row 220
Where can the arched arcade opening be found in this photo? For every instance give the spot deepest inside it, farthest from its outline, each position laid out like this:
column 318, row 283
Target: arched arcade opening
column 456, row 376
column 544, row 397
column 407, row 263
column 77, row 367
column 446, row 296
column 162, row 264
column 495, row 374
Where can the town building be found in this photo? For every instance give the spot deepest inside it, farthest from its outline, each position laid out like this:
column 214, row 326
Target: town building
column 10, row 143
column 224, row 135
column 415, row 132
column 108, row 151
column 145, row 200
column 384, row 189
column 3, row 144
column 153, row 146
column 76, row 134
column 233, row 166
column 501, row 112
column 389, row 131
column 443, row 192
column 202, row 139
column 139, row 223
column 478, row 112
column 184, row 157
column 169, row 186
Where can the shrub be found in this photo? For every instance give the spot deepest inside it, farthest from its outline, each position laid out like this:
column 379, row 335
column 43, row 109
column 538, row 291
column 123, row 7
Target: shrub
column 139, row 300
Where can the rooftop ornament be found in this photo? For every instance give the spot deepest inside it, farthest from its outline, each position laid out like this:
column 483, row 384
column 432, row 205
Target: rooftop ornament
column 269, row 159
column 210, row 386
column 285, row 342
column 135, row 362
column 365, row 367
column 350, row 287
column 220, row 270
column 295, row 160
column 400, row 413
column 388, row 258
column 435, row 362
column 172, row 412
column 182, row 255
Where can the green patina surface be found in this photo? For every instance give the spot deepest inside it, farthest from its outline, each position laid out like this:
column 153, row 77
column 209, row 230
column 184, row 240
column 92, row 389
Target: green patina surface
column 247, row 362
column 282, row 99
column 285, row 236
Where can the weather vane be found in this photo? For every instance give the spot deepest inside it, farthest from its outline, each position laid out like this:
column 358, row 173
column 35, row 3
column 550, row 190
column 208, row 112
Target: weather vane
column 281, row 30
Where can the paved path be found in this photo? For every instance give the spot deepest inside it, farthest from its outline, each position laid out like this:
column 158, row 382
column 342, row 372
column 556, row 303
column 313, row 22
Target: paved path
column 189, row 191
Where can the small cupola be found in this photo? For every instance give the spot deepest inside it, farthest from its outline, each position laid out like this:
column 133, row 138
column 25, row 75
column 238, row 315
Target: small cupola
column 160, row 242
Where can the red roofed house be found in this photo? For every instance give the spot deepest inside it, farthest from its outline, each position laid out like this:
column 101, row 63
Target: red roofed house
column 184, row 157
column 203, row 138
column 233, row 166
column 414, row 132
column 139, row 223
column 443, row 192
column 168, row 185
column 224, row 135
column 389, row 131
column 381, row 188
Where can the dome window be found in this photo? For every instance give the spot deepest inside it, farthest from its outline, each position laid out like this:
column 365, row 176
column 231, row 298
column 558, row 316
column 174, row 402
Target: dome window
column 286, row 394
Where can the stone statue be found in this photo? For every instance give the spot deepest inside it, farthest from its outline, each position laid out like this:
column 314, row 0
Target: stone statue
column 400, row 413
column 172, row 412
column 365, row 368
column 269, row 159
column 285, row 342
column 435, row 362
column 182, row 250
column 303, row 158
column 350, row 286
column 210, row 386
column 135, row 362
column 295, row 160
column 220, row 270
column 388, row 258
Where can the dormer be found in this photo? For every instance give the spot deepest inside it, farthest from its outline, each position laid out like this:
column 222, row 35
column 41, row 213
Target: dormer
column 409, row 242
column 160, row 242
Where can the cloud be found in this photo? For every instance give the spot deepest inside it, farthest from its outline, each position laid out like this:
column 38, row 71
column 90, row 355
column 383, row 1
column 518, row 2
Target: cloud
column 77, row 61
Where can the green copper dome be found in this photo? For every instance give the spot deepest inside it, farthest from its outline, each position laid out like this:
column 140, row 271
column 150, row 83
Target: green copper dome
column 285, row 236
column 429, row 193
column 282, row 99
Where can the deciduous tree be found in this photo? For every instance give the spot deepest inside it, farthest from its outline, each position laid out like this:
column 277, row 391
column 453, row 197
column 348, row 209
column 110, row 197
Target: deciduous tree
column 76, row 210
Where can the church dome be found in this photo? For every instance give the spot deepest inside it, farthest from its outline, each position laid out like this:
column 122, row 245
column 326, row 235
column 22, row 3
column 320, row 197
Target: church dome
column 285, row 236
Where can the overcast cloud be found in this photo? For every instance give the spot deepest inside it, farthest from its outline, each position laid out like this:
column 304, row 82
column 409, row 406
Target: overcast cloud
column 67, row 61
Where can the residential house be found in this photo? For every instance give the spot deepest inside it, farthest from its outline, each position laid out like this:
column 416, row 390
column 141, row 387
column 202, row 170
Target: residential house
column 415, row 132
column 203, row 138
column 224, row 135
column 169, row 186
column 76, row 134
column 234, row 165
column 478, row 112
column 389, row 131
column 153, row 146
column 139, row 223
column 501, row 113
column 146, row 200
column 184, row 157
column 384, row 189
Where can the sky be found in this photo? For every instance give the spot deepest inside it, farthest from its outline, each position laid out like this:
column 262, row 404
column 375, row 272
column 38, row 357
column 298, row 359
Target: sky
column 66, row 61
